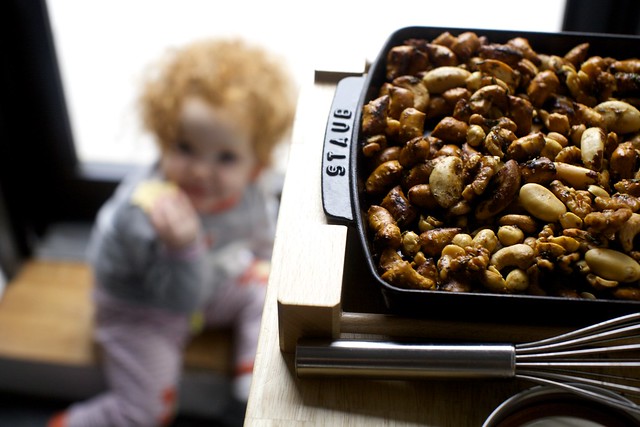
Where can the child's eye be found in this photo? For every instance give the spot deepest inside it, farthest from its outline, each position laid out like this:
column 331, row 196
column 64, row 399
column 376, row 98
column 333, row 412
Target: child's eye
column 227, row 157
column 184, row 147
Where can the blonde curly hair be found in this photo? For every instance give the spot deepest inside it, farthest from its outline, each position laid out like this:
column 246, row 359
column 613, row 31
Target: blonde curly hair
column 243, row 80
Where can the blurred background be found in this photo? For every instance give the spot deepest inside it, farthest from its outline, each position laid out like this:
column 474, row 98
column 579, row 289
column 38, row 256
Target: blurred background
column 104, row 46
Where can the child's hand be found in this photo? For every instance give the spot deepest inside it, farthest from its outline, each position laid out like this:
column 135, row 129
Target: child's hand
column 175, row 220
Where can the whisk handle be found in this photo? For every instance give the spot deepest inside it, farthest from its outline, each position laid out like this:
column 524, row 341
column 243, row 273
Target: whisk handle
column 385, row 360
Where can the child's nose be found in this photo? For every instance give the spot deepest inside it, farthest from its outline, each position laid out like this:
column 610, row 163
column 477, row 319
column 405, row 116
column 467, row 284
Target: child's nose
column 203, row 169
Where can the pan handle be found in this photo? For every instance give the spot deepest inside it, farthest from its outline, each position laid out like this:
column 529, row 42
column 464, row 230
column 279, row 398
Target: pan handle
column 336, row 155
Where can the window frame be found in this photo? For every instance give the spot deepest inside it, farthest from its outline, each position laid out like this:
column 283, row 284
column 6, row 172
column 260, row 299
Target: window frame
column 42, row 180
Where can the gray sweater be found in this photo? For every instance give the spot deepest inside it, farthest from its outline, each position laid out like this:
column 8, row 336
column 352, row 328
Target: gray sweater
column 131, row 264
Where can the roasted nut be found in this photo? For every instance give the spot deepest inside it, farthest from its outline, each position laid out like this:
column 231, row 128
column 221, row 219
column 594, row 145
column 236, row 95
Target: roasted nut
column 502, row 191
column 500, row 70
column 510, row 235
column 420, row 195
column 517, row 280
column 401, row 274
column 440, row 79
column 374, row 116
column 475, row 135
column 415, row 151
column 417, row 88
column 624, row 161
column 592, row 148
column 399, row 207
column 405, row 60
column 629, row 231
column 576, row 176
column 540, row 170
column 542, row 86
column 433, row 241
column 410, row 243
column 487, row 239
column 411, row 124
column 384, row 177
column 523, row 222
column 399, row 100
column 619, row 116
column 526, row 147
column 462, row 240
column 519, row 255
column 386, row 232
column 612, row 265
column 541, row 202
column 450, row 129
column 445, row 180
column 487, row 98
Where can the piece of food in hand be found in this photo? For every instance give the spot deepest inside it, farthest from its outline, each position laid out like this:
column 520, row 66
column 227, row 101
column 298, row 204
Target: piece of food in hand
column 148, row 192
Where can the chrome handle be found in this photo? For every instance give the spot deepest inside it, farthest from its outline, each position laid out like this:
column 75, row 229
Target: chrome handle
column 385, row 360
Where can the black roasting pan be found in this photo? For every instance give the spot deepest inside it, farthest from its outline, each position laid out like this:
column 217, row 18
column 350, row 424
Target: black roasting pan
column 343, row 194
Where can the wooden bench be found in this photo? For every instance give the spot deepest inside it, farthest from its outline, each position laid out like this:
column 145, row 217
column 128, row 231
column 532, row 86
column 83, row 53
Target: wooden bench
column 47, row 347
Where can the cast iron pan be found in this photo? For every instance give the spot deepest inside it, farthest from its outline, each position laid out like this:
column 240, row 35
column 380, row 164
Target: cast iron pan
column 342, row 190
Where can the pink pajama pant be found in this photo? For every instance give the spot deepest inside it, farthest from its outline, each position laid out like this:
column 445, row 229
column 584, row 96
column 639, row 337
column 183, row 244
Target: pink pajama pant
column 142, row 355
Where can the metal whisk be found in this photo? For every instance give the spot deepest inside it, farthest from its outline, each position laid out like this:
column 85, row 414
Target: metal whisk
column 604, row 356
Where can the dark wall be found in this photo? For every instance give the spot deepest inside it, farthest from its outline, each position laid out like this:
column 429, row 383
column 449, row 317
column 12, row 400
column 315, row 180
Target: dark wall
column 598, row 16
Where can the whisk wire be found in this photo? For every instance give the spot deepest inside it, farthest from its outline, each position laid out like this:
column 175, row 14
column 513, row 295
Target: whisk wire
column 559, row 355
column 587, row 334
column 610, row 399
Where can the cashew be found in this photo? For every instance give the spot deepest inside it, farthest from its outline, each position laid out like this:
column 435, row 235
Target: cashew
column 619, row 116
column 541, row 202
column 519, row 255
column 592, row 147
column 516, row 280
column 492, row 279
column 500, row 70
column 445, row 180
column 612, row 265
column 417, row 87
column 505, row 187
column 568, row 243
column 440, row 79
column 629, row 231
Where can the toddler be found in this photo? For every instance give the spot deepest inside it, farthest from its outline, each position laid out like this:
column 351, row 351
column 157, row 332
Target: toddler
column 189, row 237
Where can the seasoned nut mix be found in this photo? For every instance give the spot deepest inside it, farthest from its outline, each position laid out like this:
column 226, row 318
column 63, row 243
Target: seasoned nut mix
column 495, row 168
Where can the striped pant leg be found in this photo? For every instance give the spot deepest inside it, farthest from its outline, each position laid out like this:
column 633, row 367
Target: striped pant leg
column 142, row 361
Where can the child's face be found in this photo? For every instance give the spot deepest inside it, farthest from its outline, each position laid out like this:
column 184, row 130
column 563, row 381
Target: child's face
column 213, row 160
